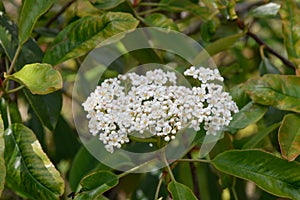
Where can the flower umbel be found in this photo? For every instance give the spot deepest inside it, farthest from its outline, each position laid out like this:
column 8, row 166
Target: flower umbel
column 156, row 104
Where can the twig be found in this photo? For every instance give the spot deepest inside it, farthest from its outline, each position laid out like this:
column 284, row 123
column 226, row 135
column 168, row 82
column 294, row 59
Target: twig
column 194, row 177
column 241, row 25
column 63, row 9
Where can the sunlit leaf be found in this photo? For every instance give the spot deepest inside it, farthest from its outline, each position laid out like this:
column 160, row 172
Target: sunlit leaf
column 279, row 91
column 160, row 20
column 106, row 4
column 96, row 183
column 289, row 137
column 180, row 191
column 30, row 12
column 39, row 78
column 272, row 174
column 249, row 114
column 83, row 35
column 2, row 162
column 266, row 10
column 290, row 18
column 46, row 107
column 30, row 173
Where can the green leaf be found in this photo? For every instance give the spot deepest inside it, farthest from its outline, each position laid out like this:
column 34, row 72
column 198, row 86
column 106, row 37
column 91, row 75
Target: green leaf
column 83, row 35
column 184, row 5
column 239, row 95
column 279, row 91
column 30, row 173
column 66, row 140
column 30, row 12
column 259, row 136
column 106, row 4
column 249, row 114
column 266, row 10
column 266, row 67
column 30, row 52
column 160, row 20
column 289, row 137
column 46, row 107
column 15, row 116
column 290, row 17
column 39, row 78
column 180, row 191
column 2, row 162
column 274, row 175
column 96, row 183
column 218, row 46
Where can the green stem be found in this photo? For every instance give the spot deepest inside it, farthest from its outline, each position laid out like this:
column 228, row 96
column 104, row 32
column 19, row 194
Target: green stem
column 151, row 4
column 233, row 190
column 168, row 167
column 138, row 139
column 159, row 186
column 134, row 169
column 13, row 62
column 149, row 11
column 193, row 160
column 15, row 89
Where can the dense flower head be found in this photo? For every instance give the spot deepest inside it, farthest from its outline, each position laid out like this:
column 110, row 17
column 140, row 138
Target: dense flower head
column 154, row 103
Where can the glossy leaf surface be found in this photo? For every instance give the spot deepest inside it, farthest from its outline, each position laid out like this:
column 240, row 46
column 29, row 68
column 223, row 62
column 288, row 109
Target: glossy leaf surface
column 29, row 171
column 180, row 191
column 279, row 91
column 30, row 12
column 272, row 174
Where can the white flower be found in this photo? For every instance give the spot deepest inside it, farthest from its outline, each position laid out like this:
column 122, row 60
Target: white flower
column 156, row 104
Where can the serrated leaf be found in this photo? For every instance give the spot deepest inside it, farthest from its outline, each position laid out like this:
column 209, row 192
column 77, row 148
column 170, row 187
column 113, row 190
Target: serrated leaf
column 274, row 175
column 249, row 114
column 83, row 35
column 30, row 52
column 289, row 137
column 2, row 162
column 106, row 4
column 30, row 12
column 46, row 107
column 290, row 18
column 180, row 191
column 39, row 78
column 160, row 20
column 266, row 10
column 30, row 173
column 279, row 91
column 96, row 183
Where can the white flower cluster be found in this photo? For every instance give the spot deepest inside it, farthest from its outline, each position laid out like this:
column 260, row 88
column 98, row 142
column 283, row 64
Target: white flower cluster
column 154, row 103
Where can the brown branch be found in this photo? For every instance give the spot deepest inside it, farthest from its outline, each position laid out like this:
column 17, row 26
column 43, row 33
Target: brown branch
column 63, row 9
column 259, row 41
